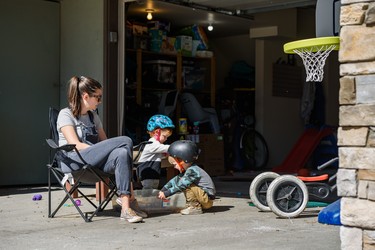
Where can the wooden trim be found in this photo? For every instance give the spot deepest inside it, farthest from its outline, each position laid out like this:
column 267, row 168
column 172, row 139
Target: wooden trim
column 110, row 68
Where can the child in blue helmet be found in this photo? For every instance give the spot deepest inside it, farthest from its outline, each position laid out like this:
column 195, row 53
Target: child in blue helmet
column 159, row 127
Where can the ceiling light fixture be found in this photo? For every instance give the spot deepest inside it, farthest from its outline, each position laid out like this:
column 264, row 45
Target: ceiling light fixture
column 149, row 13
column 210, row 27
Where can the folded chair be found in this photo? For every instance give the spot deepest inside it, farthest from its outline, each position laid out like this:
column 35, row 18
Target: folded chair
column 88, row 175
column 168, row 102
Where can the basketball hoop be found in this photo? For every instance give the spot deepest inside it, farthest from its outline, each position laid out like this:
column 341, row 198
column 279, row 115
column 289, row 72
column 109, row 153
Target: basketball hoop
column 314, row 53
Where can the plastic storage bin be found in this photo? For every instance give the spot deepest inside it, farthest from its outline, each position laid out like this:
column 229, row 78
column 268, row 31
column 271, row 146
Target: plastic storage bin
column 150, row 203
column 193, row 78
column 159, row 72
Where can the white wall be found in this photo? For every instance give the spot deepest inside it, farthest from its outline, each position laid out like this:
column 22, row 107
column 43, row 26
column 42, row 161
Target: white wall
column 82, row 49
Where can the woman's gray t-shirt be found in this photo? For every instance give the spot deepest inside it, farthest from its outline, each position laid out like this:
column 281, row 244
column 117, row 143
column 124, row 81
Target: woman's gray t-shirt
column 84, row 127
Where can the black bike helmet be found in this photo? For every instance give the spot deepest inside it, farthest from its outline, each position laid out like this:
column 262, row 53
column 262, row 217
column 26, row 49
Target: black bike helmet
column 185, row 150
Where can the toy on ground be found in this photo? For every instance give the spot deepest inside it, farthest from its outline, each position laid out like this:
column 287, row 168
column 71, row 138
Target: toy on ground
column 37, row 197
column 331, row 214
column 287, row 195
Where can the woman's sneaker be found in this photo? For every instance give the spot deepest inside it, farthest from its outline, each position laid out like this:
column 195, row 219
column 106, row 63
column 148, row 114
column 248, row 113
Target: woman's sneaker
column 130, row 216
column 134, row 205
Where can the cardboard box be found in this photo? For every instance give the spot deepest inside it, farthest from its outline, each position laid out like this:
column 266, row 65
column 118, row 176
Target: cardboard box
column 168, row 45
column 211, row 158
column 184, row 44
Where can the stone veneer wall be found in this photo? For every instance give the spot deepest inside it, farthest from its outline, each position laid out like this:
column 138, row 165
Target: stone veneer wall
column 356, row 134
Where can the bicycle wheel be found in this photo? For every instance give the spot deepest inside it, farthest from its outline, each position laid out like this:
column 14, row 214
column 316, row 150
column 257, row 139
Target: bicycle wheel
column 254, row 149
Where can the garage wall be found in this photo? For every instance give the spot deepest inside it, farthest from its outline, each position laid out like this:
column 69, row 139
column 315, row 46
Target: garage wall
column 230, row 49
column 82, row 49
column 29, row 70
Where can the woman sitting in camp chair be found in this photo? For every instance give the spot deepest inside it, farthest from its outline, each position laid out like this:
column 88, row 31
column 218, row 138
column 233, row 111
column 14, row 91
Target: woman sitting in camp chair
column 78, row 125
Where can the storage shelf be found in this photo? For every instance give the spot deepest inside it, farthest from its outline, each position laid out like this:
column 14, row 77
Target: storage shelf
column 142, row 55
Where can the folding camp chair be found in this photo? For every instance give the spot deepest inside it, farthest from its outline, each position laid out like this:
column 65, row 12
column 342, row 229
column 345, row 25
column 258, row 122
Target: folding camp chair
column 86, row 175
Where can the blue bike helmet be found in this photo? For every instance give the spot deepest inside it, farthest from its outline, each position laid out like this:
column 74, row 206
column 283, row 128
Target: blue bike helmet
column 159, row 121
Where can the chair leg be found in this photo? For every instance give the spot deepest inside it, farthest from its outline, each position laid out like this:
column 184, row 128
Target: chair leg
column 68, row 187
column 101, row 190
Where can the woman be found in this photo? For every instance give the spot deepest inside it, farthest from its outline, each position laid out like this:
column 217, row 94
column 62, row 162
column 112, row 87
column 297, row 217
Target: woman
column 78, row 125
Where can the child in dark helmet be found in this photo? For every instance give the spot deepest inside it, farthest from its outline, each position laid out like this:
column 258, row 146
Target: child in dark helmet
column 193, row 181
column 159, row 127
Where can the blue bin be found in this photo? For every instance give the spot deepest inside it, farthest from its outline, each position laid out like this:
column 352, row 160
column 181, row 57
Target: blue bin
column 330, row 214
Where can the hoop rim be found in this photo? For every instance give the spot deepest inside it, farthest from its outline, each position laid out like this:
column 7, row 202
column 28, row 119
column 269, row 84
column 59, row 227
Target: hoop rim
column 313, row 43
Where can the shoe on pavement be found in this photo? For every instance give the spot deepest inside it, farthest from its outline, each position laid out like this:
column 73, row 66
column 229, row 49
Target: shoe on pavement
column 133, row 205
column 192, row 210
column 130, row 216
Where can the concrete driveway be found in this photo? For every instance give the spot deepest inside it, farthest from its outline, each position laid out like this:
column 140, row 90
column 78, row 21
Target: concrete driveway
column 231, row 224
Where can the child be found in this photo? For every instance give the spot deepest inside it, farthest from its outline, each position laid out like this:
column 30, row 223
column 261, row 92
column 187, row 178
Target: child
column 160, row 127
column 197, row 185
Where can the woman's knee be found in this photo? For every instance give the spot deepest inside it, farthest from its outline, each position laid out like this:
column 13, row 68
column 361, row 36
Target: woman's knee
column 126, row 140
column 121, row 154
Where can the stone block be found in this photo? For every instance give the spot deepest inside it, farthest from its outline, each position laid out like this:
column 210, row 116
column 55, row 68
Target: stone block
column 362, row 189
column 365, row 89
column 347, row 90
column 353, row 14
column 371, row 191
column 371, row 137
column 357, row 158
column 370, row 14
column 343, row 2
column 368, row 239
column 356, row 43
column 351, row 238
column 357, row 213
column 364, row 174
column 360, row 68
column 352, row 136
column 347, row 183
column 358, row 115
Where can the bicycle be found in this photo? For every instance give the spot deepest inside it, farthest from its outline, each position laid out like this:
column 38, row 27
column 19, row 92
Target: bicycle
column 253, row 146
column 250, row 149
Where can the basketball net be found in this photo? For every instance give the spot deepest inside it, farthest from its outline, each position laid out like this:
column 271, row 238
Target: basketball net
column 314, row 59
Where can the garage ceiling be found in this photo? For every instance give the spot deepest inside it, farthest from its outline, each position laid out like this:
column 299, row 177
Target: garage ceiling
column 229, row 17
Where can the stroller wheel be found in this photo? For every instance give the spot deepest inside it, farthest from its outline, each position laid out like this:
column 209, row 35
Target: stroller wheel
column 287, row 196
column 258, row 189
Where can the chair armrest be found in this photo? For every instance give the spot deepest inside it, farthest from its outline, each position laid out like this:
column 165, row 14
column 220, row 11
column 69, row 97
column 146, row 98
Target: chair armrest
column 138, row 149
column 66, row 147
column 141, row 145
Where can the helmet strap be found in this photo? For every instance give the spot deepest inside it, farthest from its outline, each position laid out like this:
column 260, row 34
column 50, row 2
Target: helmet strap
column 157, row 134
column 180, row 166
